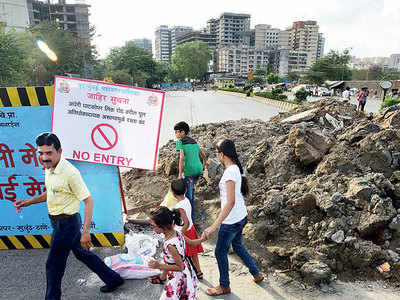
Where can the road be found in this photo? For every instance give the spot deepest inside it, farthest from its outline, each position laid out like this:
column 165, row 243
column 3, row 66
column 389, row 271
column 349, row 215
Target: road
column 22, row 272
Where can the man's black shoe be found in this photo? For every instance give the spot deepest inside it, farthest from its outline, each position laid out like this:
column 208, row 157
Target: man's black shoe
column 111, row 288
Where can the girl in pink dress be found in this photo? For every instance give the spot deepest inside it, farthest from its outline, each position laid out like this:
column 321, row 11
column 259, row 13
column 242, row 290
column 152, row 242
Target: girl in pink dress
column 182, row 282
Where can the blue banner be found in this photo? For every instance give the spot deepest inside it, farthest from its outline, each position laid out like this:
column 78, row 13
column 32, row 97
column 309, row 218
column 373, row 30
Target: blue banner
column 22, row 177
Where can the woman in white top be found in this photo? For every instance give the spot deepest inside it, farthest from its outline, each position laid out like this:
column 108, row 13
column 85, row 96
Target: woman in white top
column 232, row 218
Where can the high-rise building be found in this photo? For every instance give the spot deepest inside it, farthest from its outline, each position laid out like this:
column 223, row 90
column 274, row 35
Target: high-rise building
column 192, row 36
column 320, row 45
column 143, row 43
column 231, row 29
column 242, row 59
column 284, row 39
column 175, row 32
column 292, row 61
column 394, row 61
column 304, row 38
column 266, row 36
column 162, row 44
column 72, row 17
column 14, row 14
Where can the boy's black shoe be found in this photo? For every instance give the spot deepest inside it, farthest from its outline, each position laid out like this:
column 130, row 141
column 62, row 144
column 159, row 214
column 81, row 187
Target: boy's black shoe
column 111, row 288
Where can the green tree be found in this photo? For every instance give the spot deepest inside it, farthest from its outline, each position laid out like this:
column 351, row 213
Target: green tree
column 191, row 60
column 257, row 80
column 293, row 76
column 333, row 66
column 120, row 76
column 14, row 63
column 273, row 78
column 138, row 63
column 259, row 72
column 301, row 95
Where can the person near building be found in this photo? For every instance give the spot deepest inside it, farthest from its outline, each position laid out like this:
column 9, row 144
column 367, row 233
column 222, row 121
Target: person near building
column 346, row 95
column 65, row 189
column 362, row 99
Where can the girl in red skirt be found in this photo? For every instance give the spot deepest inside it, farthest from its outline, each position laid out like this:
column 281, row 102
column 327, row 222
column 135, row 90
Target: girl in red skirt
column 178, row 188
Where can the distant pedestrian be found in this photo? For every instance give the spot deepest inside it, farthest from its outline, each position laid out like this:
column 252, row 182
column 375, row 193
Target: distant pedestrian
column 65, row 189
column 182, row 281
column 395, row 94
column 362, row 99
column 346, row 95
column 191, row 160
column 231, row 219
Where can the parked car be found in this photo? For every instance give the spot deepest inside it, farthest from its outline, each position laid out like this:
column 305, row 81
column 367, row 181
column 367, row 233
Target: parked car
column 308, row 88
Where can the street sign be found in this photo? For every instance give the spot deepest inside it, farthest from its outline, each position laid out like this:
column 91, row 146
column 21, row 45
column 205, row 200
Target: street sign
column 385, row 85
column 107, row 123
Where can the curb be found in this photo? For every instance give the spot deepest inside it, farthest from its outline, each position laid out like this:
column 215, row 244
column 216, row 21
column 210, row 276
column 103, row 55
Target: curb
column 279, row 104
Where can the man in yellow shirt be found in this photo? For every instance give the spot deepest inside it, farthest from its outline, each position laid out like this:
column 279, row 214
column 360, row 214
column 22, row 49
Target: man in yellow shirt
column 64, row 191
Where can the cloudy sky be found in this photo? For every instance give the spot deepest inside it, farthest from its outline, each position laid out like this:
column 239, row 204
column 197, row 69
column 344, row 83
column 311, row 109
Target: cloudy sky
column 370, row 27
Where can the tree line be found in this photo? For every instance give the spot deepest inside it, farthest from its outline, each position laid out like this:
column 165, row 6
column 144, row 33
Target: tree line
column 23, row 64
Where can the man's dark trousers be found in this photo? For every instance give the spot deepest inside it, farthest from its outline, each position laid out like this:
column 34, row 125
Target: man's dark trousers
column 66, row 236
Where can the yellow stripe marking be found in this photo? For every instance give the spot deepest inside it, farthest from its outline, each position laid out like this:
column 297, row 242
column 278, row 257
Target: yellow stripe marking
column 33, row 99
column 49, row 90
column 102, row 239
column 14, row 97
column 120, row 237
column 3, row 246
column 15, row 242
column 47, row 237
column 32, row 240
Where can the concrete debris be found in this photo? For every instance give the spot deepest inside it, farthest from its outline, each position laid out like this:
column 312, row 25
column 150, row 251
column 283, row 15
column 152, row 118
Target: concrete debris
column 324, row 182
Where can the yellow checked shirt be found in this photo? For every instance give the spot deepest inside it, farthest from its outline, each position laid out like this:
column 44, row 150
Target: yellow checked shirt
column 65, row 189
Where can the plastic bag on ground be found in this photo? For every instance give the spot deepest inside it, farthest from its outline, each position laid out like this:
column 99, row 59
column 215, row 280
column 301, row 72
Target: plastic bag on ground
column 141, row 244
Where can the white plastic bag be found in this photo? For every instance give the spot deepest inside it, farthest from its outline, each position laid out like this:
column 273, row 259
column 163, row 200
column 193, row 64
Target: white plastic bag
column 133, row 266
column 141, row 244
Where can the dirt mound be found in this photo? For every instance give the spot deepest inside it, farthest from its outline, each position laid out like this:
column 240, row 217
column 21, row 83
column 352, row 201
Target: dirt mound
column 325, row 188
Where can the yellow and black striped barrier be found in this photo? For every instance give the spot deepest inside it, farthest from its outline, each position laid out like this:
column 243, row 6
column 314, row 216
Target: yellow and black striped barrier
column 42, row 96
column 12, row 242
column 26, row 96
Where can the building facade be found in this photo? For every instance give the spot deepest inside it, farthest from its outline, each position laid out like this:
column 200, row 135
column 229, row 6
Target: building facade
column 175, row 32
column 72, row 17
column 193, row 36
column 239, row 60
column 394, row 62
column 14, row 14
column 266, row 36
column 320, row 45
column 230, row 29
column 162, row 44
column 304, row 38
column 143, row 43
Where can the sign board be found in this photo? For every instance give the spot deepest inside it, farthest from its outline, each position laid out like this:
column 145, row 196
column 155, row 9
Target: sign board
column 108, row 123
column 385, row 85
column 22, row 177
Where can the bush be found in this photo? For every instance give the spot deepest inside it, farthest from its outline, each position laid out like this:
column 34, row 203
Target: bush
column 301, row 95
column 389, row 101
column 277, row 91
column 231, row 86
column 235, row 90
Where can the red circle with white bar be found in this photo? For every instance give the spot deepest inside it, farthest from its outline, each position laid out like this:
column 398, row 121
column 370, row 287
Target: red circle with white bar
column 104, row 136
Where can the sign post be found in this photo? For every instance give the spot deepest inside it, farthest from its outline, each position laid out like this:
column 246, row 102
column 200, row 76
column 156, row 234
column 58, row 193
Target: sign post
column 385, row 85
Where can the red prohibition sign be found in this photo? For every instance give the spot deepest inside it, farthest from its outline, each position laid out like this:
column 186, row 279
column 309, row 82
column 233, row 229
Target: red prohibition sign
column 110, row 140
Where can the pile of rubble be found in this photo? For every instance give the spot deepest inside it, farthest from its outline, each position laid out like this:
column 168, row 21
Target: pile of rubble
column 325, row 187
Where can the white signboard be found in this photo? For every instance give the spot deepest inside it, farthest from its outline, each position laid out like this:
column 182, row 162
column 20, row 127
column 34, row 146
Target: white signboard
column 107, row 123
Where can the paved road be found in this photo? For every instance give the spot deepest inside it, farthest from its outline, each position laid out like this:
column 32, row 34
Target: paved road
column 208, row 107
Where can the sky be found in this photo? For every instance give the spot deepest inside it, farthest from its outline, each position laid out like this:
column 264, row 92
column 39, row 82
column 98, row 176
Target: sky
column 370, row 28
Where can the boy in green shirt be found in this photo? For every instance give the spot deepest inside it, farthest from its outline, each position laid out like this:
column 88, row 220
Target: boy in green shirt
column 191, row 160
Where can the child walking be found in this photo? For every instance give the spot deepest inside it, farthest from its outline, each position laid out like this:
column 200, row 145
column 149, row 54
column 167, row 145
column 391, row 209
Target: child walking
column 188, row 230
column 182, row 281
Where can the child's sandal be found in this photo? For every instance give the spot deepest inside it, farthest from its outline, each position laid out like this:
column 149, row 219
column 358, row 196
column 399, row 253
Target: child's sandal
column 156, row 280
